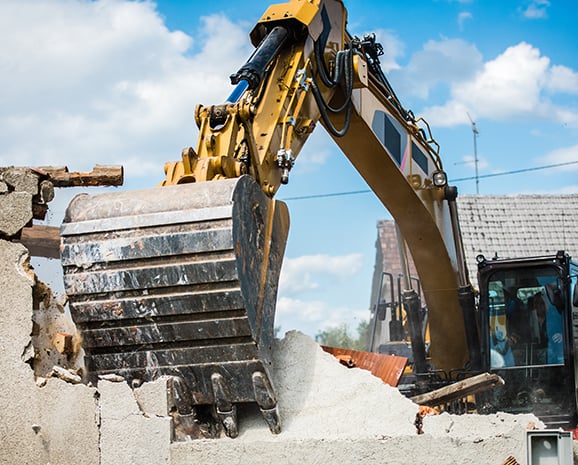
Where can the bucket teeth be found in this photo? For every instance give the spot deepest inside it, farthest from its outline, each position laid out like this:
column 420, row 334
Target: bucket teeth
column 265, row 398
column 180, row 281
column 226, row 411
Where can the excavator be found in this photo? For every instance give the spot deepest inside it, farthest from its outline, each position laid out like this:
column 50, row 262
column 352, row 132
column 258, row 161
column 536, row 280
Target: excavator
column 180, row 280
column 526, row 317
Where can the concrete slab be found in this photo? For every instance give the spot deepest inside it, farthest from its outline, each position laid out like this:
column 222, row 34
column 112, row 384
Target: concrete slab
column 20, row 179
column 127, row 434
column 399, row 450
column 15, row 212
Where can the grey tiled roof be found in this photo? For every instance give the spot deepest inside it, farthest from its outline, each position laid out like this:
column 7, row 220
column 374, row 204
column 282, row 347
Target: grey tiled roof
column 509, row 226
column 517, row 226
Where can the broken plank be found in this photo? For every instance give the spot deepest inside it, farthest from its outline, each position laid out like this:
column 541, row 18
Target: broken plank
column 42, row 241
column 459, row 389
column 101, row 175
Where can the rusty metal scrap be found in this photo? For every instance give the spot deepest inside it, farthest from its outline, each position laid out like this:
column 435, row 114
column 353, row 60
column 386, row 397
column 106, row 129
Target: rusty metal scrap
column 389, row 368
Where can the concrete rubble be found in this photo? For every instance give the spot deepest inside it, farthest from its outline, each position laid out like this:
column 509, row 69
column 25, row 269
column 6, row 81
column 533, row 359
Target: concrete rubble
column 330, row 414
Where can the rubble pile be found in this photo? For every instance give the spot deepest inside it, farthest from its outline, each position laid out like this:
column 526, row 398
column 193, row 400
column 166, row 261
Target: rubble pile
column 334, row 414
column 319, row 397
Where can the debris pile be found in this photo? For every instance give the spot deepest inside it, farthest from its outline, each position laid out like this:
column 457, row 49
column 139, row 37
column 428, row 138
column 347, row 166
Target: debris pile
column 333, row 414
column 320, row 398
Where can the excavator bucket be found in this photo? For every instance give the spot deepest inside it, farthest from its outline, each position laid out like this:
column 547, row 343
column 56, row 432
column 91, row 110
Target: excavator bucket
column 180, row 281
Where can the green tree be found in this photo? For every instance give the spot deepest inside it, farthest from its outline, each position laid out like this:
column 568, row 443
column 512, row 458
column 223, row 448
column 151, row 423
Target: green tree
column 339, row 337
column 362, row 342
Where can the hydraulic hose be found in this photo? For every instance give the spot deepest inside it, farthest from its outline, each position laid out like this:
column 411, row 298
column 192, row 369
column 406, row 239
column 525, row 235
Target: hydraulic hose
column 343, row 72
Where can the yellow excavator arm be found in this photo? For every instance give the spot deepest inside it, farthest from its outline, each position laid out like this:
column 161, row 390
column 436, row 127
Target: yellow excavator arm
column 307, row 68
column 182, row 280
column 263, row 125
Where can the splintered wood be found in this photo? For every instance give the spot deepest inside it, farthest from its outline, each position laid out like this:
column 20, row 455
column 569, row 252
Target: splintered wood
column 510, row 461
column 42, row 241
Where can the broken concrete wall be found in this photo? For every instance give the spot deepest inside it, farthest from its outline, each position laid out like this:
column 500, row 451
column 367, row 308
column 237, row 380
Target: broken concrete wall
column 55, row 339
column 135, row 427
column 51, row 424
column 57, row 422
column 37, row 425
column 45, row 419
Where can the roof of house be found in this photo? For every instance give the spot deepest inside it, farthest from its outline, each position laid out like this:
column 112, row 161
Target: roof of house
column 507, row 226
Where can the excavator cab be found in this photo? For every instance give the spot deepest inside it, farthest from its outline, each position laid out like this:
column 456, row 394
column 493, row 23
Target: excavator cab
column 527, row 315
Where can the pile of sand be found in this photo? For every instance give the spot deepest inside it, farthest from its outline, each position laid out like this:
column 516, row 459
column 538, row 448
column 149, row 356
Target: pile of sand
column 320, row 398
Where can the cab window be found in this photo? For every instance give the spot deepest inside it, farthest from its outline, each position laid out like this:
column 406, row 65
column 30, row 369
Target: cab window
column 525, row 328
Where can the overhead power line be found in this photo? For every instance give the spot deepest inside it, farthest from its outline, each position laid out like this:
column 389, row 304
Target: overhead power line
column 334, row 194
column 492, row 175
column 524, row 170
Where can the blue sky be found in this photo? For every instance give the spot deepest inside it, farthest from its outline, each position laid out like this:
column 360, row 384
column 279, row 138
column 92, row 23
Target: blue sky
column 116, row 81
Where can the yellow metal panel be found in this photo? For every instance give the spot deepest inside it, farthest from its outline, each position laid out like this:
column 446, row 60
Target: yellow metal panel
column 302, row 10
column 305, row 12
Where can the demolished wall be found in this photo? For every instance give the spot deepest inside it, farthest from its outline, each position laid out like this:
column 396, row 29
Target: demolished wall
column 330, row 414
column 52, row 424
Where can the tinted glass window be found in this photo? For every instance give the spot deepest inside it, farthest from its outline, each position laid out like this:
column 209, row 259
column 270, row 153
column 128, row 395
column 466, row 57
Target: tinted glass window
column 525, row 327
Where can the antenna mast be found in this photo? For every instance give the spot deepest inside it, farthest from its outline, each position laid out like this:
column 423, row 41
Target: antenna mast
column 475, row 132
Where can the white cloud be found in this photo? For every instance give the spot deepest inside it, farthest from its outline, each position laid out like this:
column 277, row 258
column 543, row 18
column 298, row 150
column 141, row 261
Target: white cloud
column 303, row 273
column 510, row 83
column 316, row 151
column 470, row 161
column 452, row 113
column 510, row 86
column 567, row 190
column 311, row 317
column 463, row 17
column 106, row 82
column 393, row 48
column 536, row 9
column 444, row 61
column 300, row 310
column 563, row 155
column 562, row 79
column 306, row 279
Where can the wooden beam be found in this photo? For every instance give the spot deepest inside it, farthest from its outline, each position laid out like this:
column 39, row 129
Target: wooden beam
column 42, row 241
column 100, row 176
column 459, row 389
